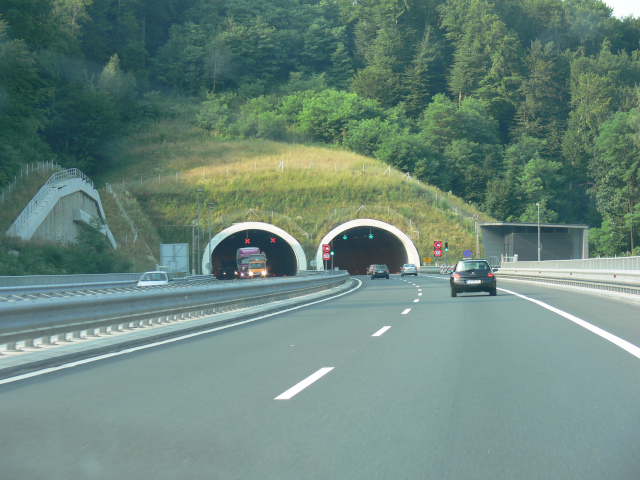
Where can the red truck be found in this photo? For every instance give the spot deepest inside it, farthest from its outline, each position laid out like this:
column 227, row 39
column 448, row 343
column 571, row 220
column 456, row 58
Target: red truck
column 252, row 263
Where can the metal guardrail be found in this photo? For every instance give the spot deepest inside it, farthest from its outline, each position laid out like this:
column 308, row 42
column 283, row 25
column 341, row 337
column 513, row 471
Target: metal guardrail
column 611, row 274
column 46, row 318
column 613, row 264
column 79, row 279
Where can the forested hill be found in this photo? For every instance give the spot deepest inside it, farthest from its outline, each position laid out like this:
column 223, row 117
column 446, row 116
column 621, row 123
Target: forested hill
column 506, row 103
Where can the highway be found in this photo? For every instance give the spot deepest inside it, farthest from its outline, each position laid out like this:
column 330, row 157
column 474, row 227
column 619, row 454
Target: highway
column 396, row 380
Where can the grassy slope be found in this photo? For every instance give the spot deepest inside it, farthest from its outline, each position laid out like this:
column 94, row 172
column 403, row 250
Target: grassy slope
column 319, row 188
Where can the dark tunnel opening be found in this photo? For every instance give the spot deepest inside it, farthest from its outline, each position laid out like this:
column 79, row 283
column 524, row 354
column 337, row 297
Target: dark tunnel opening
column 357, row 248
column 281, row 259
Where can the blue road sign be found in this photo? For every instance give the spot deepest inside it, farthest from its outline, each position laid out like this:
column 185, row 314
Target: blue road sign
column 467, row 254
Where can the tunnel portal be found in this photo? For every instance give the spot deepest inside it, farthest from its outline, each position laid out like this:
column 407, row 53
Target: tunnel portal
column 284, row 254
column 360, row 243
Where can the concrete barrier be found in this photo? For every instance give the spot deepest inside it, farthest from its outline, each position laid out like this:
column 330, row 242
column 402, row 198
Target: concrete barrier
column 24, row 321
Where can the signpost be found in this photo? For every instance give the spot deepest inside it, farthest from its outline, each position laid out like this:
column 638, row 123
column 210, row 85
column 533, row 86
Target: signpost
column 437, row 248
column 326, row 253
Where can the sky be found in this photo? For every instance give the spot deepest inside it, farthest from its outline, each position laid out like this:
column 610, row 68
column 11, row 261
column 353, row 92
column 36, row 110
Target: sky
column 624, row 8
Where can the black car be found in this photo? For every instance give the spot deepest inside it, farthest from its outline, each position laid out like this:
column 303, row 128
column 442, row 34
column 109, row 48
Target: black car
column 379, row 271
column 227, row 270
column 473, row 276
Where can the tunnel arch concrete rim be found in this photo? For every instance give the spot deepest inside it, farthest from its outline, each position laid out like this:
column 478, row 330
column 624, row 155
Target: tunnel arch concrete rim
column 410, row 248
column 301, row 258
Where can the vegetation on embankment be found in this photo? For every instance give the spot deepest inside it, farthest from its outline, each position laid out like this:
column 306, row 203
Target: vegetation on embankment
column 305, row 190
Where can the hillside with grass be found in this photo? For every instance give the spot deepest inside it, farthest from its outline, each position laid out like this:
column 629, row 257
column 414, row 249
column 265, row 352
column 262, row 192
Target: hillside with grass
column 305, row 190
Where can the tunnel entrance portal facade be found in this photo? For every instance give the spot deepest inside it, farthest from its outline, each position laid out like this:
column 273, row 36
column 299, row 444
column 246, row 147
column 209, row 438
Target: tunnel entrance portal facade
column 360, row 243
column 285, row 256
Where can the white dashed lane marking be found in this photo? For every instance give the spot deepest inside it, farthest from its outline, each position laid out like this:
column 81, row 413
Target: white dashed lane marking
column 304, row 384
column 381, row 331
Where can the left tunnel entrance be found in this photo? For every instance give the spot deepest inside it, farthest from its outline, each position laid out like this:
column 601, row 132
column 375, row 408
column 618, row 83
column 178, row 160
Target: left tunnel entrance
column 283, row 251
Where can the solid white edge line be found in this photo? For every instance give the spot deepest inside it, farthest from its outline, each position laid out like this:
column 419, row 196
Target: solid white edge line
column 406, row 311
column 381, row 331
column 629, row 347
column 164, row 342
column 304, row 384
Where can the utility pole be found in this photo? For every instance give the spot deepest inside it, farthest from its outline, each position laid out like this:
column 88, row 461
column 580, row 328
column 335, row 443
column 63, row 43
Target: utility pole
column 209, row 249
column 539, row 246
column 199, row 268
column 475, row 219
column 193, row 247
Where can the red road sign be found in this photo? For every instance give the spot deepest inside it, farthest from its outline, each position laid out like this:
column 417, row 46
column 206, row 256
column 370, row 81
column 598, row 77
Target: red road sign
column 326, row 256
column 247, row 241
column 326, row 248
column 437, row 253
column 437, row 245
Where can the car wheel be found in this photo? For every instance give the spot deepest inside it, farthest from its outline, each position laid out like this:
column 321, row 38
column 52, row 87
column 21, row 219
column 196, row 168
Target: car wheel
column 493, row 292
column 416, row 274
column 387, row 277
column 453, row 292
column 402, row 274
column 372, row 277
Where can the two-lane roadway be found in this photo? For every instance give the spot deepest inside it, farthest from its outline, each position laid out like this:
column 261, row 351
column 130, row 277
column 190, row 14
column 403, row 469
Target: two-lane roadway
column 396, row 380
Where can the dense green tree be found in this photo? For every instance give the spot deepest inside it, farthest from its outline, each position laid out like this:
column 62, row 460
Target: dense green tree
column 82, row 122
column 22, row 116
column 616, row 172
column 421, row 74
column 325, row 116
column 543, row 108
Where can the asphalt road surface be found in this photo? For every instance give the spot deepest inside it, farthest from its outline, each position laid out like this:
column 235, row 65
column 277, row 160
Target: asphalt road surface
column 396, row 380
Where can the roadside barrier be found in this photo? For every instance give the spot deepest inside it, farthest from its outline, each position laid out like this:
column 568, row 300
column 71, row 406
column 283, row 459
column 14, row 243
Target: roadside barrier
column 26, row 321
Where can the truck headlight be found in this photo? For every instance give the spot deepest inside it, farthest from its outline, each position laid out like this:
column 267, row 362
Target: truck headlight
column 264, row 273
column 251, row 274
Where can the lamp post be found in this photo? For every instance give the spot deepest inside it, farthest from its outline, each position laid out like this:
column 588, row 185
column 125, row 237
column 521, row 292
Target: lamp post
column 198, row 192
column 539, row 246
column 193, row 246
column 209, row 249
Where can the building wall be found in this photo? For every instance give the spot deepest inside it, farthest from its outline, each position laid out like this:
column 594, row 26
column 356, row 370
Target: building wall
column 558, row 242
column 59, row 224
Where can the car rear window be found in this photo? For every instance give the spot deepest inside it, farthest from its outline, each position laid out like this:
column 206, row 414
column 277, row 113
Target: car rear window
column 468, row 266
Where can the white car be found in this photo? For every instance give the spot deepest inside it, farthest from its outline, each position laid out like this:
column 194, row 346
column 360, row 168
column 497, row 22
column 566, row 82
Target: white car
column 149, row 279
column 408, row 269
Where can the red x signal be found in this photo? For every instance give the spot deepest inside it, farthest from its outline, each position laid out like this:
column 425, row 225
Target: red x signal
column 247, row 241
column 273, row 239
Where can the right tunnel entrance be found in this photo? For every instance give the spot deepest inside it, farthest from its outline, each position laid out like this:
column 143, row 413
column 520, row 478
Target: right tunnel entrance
column 358, row 244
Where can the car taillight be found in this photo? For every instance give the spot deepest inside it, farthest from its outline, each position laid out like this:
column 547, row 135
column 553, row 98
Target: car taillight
column 490, row 274
column 387, row 271
column 456, row 275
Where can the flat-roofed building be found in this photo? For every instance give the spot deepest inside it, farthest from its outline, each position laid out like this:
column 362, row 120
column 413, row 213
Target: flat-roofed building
column 504, row 241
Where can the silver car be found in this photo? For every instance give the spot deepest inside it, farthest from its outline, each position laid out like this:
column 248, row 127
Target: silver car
column 408, row 269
